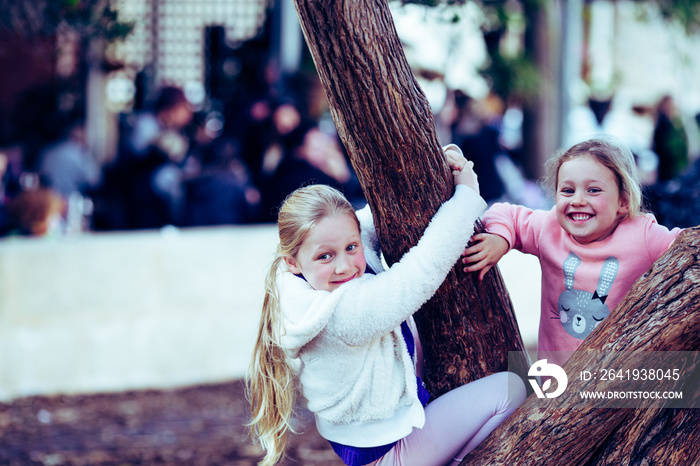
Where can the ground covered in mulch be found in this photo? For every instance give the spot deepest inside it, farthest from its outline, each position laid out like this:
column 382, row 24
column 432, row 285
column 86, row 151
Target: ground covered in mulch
column 200, row 425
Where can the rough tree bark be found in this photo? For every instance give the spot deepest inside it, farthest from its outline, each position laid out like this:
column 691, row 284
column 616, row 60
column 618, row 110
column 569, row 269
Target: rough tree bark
column 659, row 314
column 386, row 125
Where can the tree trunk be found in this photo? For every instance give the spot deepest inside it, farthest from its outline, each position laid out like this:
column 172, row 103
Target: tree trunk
column 387, row 127
column 658, row 315
column 656, row 436
column 541, row 122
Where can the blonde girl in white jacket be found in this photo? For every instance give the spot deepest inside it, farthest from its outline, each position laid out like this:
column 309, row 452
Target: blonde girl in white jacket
column 336, row 320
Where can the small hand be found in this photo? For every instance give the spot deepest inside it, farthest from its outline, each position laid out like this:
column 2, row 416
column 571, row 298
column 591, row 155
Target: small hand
column 484, row 252
column 462, row 169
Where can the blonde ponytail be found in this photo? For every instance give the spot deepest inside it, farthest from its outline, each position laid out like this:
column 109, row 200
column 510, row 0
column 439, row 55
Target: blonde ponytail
column 270, row 381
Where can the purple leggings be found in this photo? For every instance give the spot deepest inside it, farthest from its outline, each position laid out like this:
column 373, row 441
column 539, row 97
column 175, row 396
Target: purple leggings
column 458, row 421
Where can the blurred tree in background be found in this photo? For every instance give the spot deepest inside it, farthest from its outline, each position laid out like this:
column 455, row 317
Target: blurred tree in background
column 91, row 19
column 686, row 12
column 52, row 48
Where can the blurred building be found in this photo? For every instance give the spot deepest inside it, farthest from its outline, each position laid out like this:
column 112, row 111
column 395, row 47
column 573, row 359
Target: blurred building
column 170, row 43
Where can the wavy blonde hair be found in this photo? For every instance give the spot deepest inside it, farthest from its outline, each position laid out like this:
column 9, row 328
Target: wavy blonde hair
column 611, row 153
column 270, row 383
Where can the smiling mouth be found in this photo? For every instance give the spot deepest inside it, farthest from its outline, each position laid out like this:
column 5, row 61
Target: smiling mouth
column 580, row 217
column 344, row 280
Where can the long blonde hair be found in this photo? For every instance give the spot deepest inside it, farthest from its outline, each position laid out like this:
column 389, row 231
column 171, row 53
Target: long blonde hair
column 611, row 153
column 270, row 382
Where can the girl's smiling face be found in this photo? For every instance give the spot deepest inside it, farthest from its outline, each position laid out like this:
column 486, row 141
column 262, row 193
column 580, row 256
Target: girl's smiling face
column 331, row 254
column 588, row 201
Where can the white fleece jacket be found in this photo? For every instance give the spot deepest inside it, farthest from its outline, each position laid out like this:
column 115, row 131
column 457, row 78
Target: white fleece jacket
column 355, row 370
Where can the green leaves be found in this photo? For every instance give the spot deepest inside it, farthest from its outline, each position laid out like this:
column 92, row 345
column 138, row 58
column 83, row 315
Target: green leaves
column 40, row 18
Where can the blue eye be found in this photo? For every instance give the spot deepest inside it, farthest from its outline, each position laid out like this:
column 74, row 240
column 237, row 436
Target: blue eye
column 324, row 257
column 351, row 247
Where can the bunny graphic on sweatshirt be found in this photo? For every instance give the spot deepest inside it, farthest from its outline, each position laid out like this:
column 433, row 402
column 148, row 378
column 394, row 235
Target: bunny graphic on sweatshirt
column 581, row 311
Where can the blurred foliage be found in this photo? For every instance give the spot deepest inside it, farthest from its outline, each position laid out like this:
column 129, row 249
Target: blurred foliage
column 686, row 12
column 514, row 74
column 512, row 78
column 511, row 74
column 90, row 19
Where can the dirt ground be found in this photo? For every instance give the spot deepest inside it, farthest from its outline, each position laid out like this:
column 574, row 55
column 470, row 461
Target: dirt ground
column 198, row 426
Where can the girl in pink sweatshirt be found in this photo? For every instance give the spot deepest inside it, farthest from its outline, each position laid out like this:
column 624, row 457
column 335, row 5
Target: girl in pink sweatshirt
column 592, row 245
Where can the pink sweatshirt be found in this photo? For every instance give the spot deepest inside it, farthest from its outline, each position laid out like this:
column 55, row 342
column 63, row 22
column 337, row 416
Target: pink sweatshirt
column 581, row 283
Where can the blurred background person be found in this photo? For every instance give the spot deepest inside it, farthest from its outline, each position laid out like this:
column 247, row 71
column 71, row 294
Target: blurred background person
column 38, row 212
column 221, row 190
column 152, row 163
column 67, row 166
column 296, row 152
column 670, row 140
